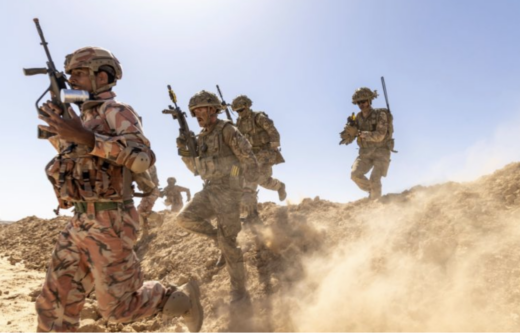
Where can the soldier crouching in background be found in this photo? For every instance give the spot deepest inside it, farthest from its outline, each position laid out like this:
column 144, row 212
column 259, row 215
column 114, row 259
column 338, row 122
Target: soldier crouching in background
column 173, row 195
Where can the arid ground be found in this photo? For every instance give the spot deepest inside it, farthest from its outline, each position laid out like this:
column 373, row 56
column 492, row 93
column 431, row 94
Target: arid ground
column 438, row 258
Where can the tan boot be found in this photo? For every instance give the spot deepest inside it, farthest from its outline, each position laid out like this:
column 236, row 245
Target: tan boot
column 238, row 295
column 185, row 302
column 281, row 192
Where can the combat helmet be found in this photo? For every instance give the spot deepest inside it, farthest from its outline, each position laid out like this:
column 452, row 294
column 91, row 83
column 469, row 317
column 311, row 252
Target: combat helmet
column 241, row 102
column 95, row 59
column 204, row 98
column 364, row 94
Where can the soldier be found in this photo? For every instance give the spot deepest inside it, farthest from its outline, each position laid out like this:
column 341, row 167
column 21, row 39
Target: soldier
column 265, row 139
column 99, row 153
column 224, row 159
column 146, row 205
column 173, row 195
column 373, row 129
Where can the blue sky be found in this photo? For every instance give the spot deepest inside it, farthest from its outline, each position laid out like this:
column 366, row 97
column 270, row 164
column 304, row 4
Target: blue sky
column 451, row 67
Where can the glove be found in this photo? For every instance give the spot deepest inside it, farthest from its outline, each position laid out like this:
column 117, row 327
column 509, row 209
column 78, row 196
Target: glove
column 351, row 131
column 181, row 142
column 348, row 135
column 182, row 145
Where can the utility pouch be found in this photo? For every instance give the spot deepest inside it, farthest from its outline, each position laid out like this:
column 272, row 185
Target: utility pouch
column 267, row 156
column 235, row 181
column 390, row 145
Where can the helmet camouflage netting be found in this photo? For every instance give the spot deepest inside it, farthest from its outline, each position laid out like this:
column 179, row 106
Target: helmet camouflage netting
column 241, row 102
column 364, row 94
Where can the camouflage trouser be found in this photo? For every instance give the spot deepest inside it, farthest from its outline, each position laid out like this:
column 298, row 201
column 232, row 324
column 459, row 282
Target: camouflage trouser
column 218, row 200
column 146, row 205
column 266, row 180
column 97, row 254
column 376, row 158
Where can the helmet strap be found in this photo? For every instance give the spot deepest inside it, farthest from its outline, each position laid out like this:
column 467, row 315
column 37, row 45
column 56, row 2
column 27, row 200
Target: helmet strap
column 92, row 77
column 95, row 89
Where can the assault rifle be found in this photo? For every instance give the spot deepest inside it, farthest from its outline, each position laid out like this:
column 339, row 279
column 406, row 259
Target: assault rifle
column 58, row 83
column 386, row 95
column 184, row 130
column 351, row 130
column 224, row 104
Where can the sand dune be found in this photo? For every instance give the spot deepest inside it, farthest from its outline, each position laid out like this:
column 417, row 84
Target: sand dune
column 438, row 258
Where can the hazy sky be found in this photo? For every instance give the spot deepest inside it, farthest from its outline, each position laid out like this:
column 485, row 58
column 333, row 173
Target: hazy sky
column 451, row 69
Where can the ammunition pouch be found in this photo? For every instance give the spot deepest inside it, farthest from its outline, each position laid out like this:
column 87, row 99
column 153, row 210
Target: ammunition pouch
column 216, row 167
column 85, row 179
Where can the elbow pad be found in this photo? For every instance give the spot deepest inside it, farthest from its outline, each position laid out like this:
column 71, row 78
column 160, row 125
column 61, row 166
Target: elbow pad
column 139, row 162
column 137, row 159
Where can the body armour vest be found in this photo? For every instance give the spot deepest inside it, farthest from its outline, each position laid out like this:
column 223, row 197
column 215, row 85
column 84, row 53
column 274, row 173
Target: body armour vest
column 78, row 176
column 256, row 135
column 370, row 125
column 216, row 160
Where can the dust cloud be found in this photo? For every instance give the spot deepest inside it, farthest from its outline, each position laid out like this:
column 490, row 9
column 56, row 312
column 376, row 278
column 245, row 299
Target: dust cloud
column 444, row 259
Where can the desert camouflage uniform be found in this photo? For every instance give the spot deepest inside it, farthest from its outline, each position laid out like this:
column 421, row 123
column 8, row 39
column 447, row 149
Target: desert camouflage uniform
column 259, row 130
column 146, row 205
column 174, row 196
column 224, row 155
column 374, row 151
column 261, row 133
column 94, row 251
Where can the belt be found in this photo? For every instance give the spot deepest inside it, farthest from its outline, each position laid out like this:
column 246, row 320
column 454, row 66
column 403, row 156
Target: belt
column 81, row 206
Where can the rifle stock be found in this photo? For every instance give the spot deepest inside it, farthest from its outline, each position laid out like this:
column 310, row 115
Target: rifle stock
column 224, row 104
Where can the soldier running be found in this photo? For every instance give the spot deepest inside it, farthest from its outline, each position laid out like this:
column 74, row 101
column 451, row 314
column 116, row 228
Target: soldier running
column 173, row 195
column 225, row 158
column 265, row 140
column 99, row 153
column 373, row 129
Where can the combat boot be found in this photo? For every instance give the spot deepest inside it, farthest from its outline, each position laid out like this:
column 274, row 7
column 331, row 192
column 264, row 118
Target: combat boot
column 281, row 192
column 185, row 302
column 374, row 194
column 238, row 295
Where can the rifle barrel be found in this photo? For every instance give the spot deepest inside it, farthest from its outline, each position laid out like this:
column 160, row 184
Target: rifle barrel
column 44, row 44
column 384, row 91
